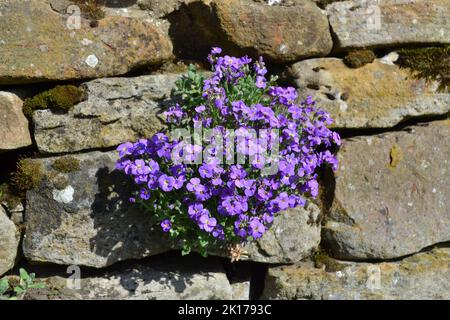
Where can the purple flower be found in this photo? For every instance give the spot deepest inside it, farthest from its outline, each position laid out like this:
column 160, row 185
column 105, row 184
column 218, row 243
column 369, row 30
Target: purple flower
column 166, row 225
column 166, row 182
column 207, row 223
column 145, row 194
column 256, row 228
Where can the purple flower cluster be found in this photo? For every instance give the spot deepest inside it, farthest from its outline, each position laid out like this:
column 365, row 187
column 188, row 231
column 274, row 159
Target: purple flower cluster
column 233, row 201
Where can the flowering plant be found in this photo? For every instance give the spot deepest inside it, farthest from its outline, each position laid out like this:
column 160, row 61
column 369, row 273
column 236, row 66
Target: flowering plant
column 254, row 152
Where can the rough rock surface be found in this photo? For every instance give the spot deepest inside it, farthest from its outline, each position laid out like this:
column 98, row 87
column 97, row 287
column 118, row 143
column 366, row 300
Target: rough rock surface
column 115, row 110
column 280, row 33
column 84, row 218
column 374, row 23
column 14, row 133
column 422, row 276
column 9, row 242
column 161, row 8
column 377, row 95
column 159, row 278
column 391, row 195
column 38, row 43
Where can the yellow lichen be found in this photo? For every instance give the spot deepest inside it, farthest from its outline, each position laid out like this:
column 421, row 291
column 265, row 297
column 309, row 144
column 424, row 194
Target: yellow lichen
column 395, row 156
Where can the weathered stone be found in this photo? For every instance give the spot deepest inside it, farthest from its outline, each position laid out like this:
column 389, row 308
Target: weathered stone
column 38, row 43
column 159, row 278
column 292, row 237
column 88, row 220
column 9, row 242
column 84, row 218
column 391, row 194
column 115, row 110
column 279, row 33
column 377, row 95
column 14, row 133
column 389, row 23
column 422, row 276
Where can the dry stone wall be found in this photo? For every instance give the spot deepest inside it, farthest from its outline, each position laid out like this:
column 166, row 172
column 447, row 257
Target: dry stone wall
column 381, row 229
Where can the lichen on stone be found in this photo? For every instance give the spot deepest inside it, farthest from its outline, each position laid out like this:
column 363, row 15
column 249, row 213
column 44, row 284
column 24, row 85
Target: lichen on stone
column 66, row 164
column 431, row 63
column 321, row 259
column 28, row 174
column 60, row 98
column 359, row 58
column 395, row 156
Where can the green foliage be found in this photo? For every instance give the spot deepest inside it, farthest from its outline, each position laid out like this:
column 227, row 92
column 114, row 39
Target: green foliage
column 66, row 164
column 60, row 98
column 432, row 63
column 28, row 175
column 9, row 291
column 359, row 58
column 91, row 9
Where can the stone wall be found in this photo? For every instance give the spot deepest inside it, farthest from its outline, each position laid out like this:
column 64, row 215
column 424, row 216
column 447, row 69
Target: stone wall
column 380, row 67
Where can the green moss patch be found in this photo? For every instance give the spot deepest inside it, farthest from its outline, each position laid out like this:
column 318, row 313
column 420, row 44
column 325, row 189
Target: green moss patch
column 322, row 259
column 28, row 175
column 359, row 58
column 91, row 9
column 431, row 63
column 60, row 98
column 66, row 164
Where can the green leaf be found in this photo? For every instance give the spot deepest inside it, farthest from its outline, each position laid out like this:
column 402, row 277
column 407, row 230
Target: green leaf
column 4, row 285
column 185, row 250
column 19, row 290
column 36, row 286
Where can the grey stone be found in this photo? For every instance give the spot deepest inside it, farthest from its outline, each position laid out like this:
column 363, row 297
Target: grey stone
column 40, row 44
column 9, row 242
column 389, row 23
column 14, row 133
column 425, row 276
column 391, row 194
column 116, row 110
column 377, row 95
column 159, row 278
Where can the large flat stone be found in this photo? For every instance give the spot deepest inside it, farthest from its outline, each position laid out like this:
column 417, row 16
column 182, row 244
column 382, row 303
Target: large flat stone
column 158, row 278
column 389, row 23
column 377, row 95
column 419, row 277
column 39, row 44
column 116, row 110
column 14, row 132
column 391, row 195
column 84, row 218
column 278, row 32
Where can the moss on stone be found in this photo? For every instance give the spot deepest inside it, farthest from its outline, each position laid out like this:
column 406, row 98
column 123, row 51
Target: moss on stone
column 359, row 58
column 322, row 259
column 60, row 98
column 66, row 164
column 28, row 175
column 91, row 9
column 431, row 63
